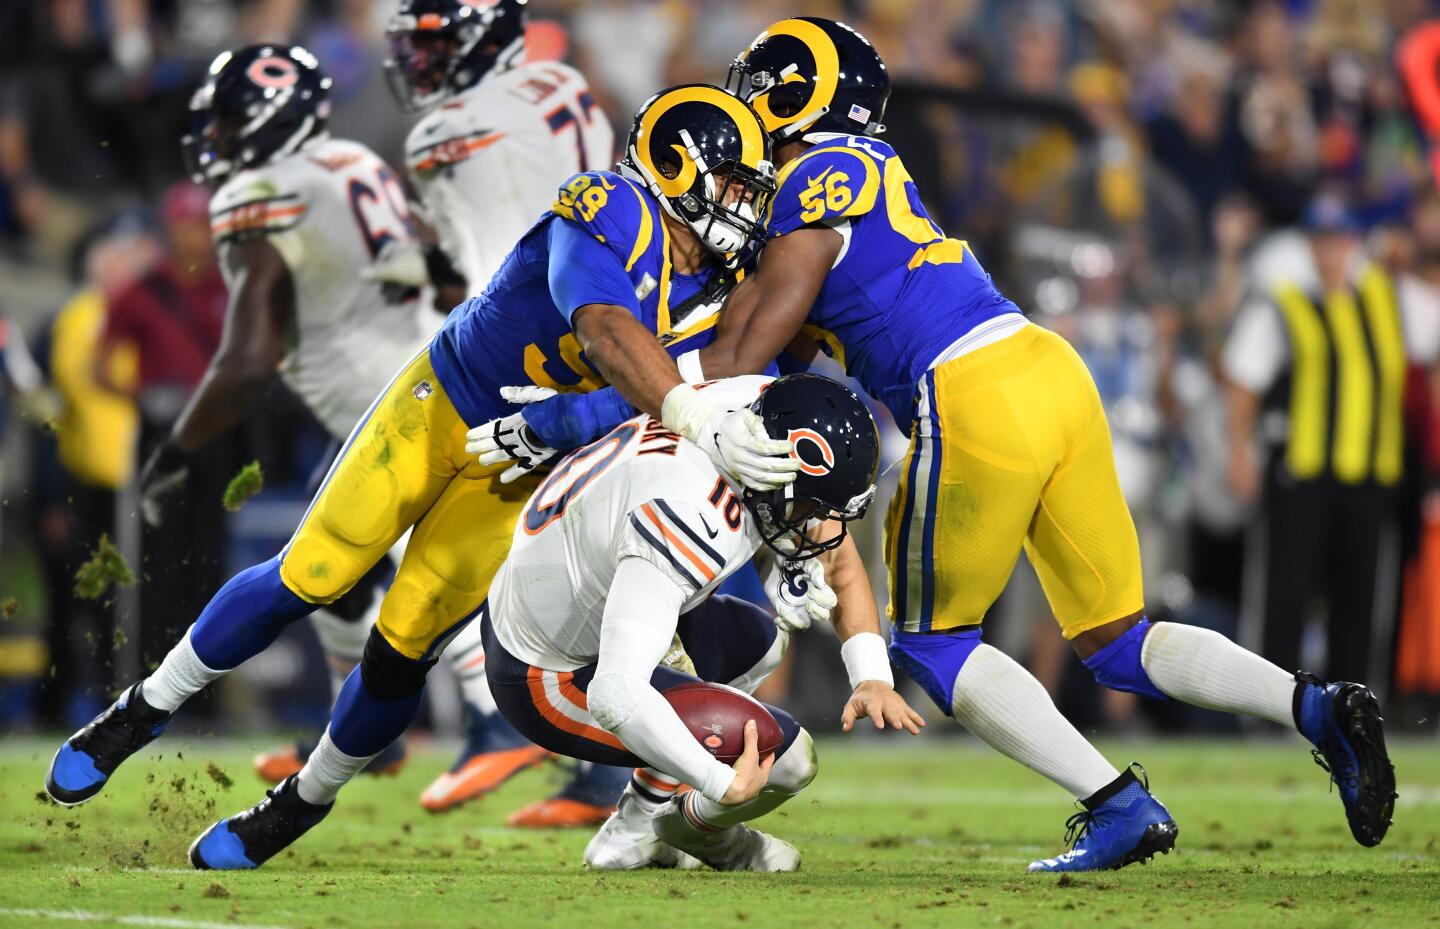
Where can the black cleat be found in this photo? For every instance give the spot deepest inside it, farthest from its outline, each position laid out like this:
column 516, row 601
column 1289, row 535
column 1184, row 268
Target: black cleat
column 87, row 759
column 1343, row 721
column 249, row 839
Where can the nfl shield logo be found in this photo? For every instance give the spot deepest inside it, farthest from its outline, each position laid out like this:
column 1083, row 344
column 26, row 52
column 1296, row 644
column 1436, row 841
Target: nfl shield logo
column 423, row 390
column 859, row 113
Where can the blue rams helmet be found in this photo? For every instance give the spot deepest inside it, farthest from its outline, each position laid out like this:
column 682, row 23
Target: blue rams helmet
column 705, row 156
column 837, row 443
column 439, row 48
column 809, row 75
column 258, row 103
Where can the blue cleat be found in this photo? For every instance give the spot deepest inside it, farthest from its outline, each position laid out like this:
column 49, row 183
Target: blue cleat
column 1343, row 722
column 249, row 839
column 1121, row 824
column 88, row 758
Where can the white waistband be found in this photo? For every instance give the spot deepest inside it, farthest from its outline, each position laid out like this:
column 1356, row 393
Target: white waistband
column 987, row 333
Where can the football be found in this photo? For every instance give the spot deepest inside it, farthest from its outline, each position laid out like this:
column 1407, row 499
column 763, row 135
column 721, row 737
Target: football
column 716, row 715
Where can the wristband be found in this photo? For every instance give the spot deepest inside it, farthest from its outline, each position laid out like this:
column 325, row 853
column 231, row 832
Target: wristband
column 866, row 659
column 689, row 367
column 685, row 411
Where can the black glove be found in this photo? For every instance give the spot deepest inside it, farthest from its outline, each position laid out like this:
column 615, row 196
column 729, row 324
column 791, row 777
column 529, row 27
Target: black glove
column 164, row 474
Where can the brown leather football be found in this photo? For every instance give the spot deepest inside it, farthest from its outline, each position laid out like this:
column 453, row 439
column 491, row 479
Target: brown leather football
column 716, row 715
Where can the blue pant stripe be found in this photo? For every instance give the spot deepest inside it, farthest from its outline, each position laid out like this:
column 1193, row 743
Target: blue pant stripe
column 902, row 538
column 937, row 446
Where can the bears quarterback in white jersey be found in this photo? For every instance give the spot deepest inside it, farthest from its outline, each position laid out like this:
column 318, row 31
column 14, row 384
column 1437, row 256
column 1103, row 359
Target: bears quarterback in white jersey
column 620, row 550
column 500, row 134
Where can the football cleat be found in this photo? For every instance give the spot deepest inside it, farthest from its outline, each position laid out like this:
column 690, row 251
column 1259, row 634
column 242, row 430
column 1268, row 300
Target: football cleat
column 558, row 813
column 1343, row 722
column 286, row 762
column 87, row 759
column 477, row 775
column 249, row 839
column 627, row 841
column 1120, row 825
column 734, row 848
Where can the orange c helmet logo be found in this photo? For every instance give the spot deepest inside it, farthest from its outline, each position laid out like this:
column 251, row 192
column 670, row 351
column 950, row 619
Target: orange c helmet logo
column 273, row 71
column 817, row 463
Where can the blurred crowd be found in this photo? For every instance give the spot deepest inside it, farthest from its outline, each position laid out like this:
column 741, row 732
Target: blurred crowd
column 1137, row 174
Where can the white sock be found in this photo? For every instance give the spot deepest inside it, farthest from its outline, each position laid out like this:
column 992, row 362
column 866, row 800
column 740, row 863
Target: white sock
column 1002, row 703
column 651, row 787
column 791, row 773
column 466, row 655
column 343, row 642
column 1206, row 669
column 327, row 771
column 180, row 676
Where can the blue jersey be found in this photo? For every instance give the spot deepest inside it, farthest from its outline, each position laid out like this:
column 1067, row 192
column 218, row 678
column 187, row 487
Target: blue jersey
column 603, row 242
column 901, row 292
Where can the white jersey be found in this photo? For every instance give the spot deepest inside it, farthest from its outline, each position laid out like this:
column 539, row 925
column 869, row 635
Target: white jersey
column 328, row 209
column 487, row 163
column 640, row 491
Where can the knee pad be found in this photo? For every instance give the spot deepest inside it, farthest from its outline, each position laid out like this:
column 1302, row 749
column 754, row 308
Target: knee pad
column 358, row 603
column 797, row 766
column 389, row 675
column 318, row 569
column 1118, row 665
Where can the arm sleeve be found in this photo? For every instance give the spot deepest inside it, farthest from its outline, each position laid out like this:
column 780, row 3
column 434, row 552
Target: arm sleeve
column 568, row 421
column 641, row 613
column 584, row 271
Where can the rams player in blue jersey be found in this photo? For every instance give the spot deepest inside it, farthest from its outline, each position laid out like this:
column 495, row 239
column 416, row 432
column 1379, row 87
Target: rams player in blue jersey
column 636, row 257
column 1009, row 450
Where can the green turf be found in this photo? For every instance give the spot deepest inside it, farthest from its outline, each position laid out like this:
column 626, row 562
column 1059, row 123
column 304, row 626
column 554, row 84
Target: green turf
column 937, row 834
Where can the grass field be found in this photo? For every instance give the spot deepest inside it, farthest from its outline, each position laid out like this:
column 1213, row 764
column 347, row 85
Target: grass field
column 933, row 835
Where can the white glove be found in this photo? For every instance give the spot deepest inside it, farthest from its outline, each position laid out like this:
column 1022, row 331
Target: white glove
column 400, row 263
column 509, row 438
column 735, row 440
column 798, row 591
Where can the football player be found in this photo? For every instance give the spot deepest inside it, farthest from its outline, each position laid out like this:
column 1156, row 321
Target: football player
column 1009, row 450
column 619, row 550
column 499, row 137
column 623, row 258
column 300, row 220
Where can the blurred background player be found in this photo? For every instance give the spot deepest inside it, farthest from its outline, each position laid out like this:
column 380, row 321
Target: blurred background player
column 298, row 218
column 499, row 136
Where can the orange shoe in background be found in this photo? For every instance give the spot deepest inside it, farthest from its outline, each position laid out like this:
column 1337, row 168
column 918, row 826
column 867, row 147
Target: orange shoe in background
column 479, row 775
column 275, row 766
column 283, row 762
column 558, row 813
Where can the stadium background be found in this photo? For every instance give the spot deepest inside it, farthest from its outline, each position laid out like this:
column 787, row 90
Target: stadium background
column 1116, row 165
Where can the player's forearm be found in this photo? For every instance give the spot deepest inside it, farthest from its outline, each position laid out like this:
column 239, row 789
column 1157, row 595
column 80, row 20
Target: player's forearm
column 856, row 618
column 642, row 610
column 855, row 611
column 228, row 395
column 568, row 421
column 627, row 355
